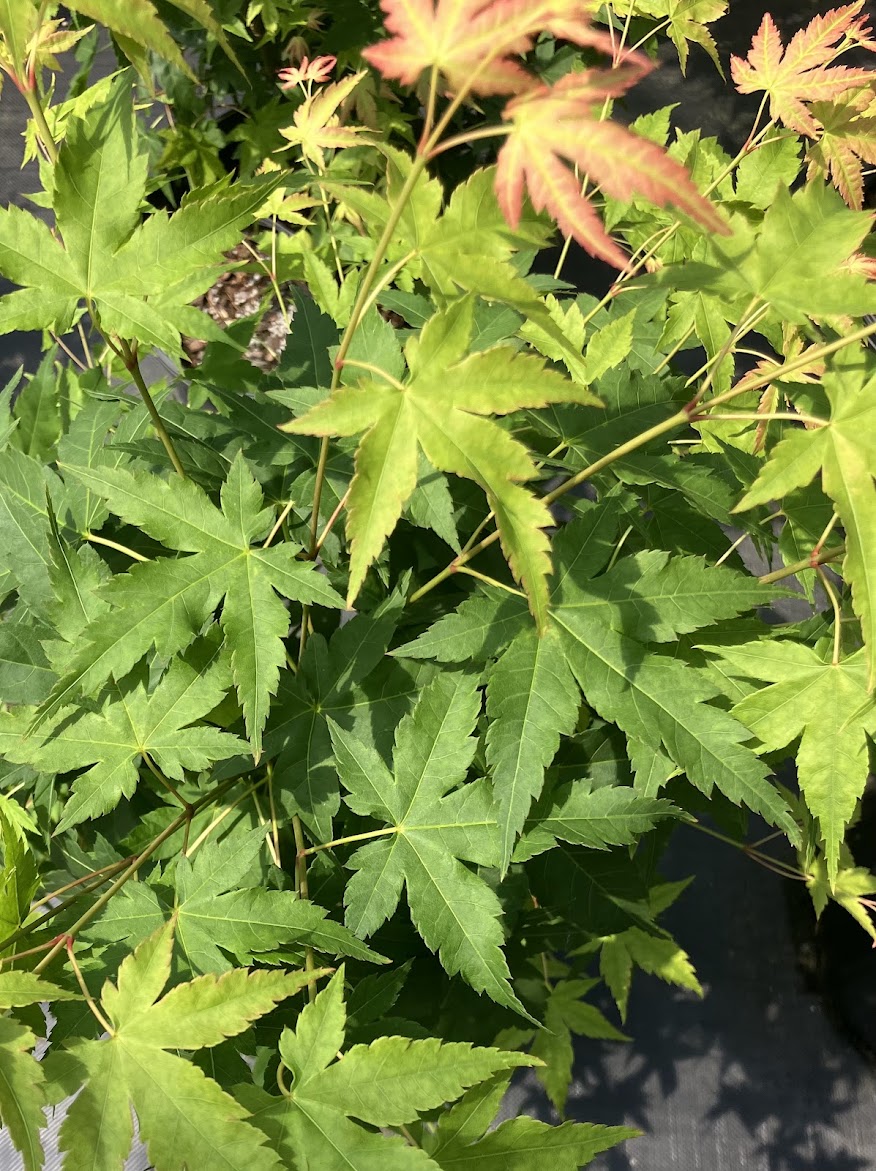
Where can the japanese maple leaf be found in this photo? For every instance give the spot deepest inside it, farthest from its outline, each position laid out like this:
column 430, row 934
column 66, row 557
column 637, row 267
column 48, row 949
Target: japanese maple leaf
column 184, row 1117
column 847, row 141
column 686, row 22
column 473, row 43
column 316, row 125
column 551, row 124
column 802, row 71
column 110, row 743
column 443, row 409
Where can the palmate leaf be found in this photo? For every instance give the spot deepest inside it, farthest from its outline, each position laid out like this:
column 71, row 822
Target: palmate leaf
column 658, row 701
column 468, row 247
column 441, row 409
column 184, row 1118
column 475, row 42
column 532, row 701
column 477, row 630
column 846, row 143
column 218, row 913
column 686, row 22
column 316, row 127
column 828, row 706
column 550, row 124
column 101, row 253
column 165, row 602
column 798, row 261
column 566, row 1013
column 132, row 725
column 597, row 818
column 432, row 823
column 845, row 452
column 464, row 1139
column 657, row 955
column 136, row 23
column 25, row 487
column 802, row 72
column 601, row 626
column 348, row 682
column 388, row 1083
column 22, row 1078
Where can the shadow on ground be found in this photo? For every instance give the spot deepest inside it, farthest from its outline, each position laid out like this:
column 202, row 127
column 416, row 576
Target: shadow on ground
column 753, row 1076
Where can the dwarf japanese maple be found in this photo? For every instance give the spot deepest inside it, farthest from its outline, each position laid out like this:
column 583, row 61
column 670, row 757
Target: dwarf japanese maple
column 356, row 670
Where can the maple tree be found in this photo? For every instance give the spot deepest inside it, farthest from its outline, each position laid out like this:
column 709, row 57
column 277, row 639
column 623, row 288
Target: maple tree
column 349, row 701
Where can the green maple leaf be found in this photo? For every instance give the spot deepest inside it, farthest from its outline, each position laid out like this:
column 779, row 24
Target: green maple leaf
column 390, row 1082
column 658, row 955
column 849, row 889
column 478, row 629
column 22, row 1078
column 433, row 821
column 441, row 409
column 348, row 681
column 18, row 878
column 659, row 702
column 796, row 260
column 532, row 701
column 597, row 818
column 774, row 164
column 217, row 911
column 566, row 1013
column 600, row 630
column 184, row 1118
column 845, row 452
column 24, row 524
column 686, row 21
column 138, row 280
column 463, row 1138
column 165, row 602
column 139, row 29
column 828, row 706
column 466, row 247
column 25, row 674
column 112, row 742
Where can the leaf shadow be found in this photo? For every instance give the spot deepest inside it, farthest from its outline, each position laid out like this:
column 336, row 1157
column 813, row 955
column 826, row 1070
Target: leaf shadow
column 754, row 1075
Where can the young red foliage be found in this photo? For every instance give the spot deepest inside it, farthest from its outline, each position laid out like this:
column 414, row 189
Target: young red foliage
column 561, row 122
column 474, row 43
column 803, row 72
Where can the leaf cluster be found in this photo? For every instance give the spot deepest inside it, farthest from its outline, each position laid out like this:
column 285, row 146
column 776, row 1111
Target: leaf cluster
column 349, row 705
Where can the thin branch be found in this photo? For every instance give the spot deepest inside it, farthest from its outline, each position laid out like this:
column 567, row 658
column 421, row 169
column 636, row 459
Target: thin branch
column 821, row 558
column 330, row 523
column 96, row 908
column 42, row 126
column 491, row 581
column 103, row 874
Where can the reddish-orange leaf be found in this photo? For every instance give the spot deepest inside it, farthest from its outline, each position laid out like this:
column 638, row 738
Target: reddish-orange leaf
column 475, row 43
column 803, row 72
column 560, row 123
